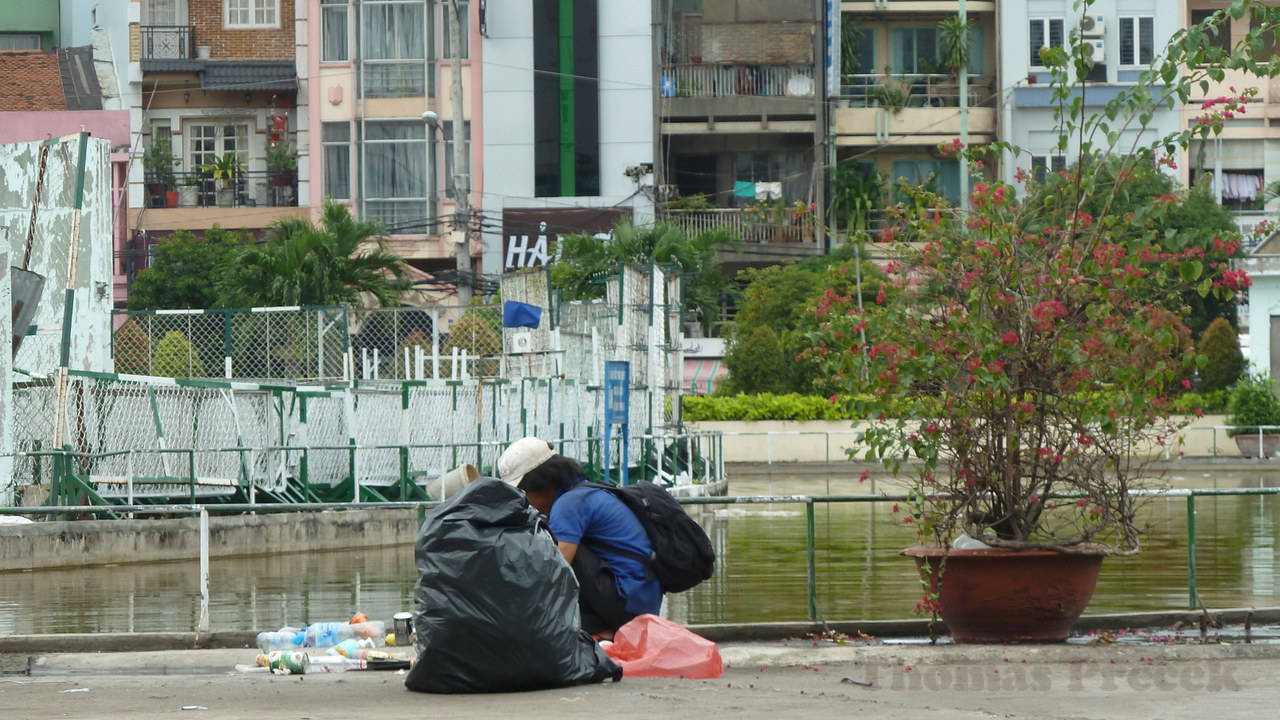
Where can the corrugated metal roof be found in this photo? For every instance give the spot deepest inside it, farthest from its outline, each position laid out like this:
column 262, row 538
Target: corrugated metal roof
column 249, row 75
column 80, row 87
column 172, row 64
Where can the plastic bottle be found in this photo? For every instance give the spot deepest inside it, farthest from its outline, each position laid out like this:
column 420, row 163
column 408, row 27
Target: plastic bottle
column 329, row 634
column 286, row 638
column 336, row 663
column 350, row 647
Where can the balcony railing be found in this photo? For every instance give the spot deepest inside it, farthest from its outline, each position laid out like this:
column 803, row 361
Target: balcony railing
column 694, row 80
column 751, row 227
column 168, row 42
column 253, row 188
column 916, row 91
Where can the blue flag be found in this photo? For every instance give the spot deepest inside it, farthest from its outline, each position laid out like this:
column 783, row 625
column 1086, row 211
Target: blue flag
column 518, row 314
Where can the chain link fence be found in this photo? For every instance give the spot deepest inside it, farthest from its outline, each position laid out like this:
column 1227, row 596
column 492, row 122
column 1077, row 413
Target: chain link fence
column 152, row 438
column 296, row 344
column 357, row 404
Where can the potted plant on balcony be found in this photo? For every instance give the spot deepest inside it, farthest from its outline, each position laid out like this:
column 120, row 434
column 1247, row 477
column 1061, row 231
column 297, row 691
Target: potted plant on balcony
column 159, row 161
column 1254, row 416
column 225, row 170
column 282, row 163
column 1017, row 366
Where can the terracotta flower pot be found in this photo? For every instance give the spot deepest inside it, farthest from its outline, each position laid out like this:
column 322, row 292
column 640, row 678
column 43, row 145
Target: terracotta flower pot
column 998, row 595
column 1248, row 445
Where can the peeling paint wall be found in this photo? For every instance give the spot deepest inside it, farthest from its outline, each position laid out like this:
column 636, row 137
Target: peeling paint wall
column 81, row 262
column 53, row 249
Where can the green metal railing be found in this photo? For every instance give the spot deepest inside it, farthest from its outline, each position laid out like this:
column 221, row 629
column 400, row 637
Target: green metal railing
column 699, row 456
column 809, row 501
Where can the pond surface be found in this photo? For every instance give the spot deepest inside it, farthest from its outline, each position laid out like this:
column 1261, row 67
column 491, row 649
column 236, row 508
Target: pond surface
column 761, row 574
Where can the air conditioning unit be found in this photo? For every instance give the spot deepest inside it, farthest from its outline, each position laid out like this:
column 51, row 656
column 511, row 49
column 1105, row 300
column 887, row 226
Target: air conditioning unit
column 521, row 342
column 1093, row 26
column 1096, row 50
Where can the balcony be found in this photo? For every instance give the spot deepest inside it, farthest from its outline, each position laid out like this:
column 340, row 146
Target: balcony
column 254, row 188
column 788, row 237
column 168, row 47
column 950, row 7
column 918, row 109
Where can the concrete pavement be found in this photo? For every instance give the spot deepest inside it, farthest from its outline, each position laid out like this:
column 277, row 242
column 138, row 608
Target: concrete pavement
column 772, row 680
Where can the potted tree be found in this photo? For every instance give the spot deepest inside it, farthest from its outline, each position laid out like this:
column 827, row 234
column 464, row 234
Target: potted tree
column 1017, row 366
column 159, row 161
column 1254, row 416
column 225, row 171
column 282, row 163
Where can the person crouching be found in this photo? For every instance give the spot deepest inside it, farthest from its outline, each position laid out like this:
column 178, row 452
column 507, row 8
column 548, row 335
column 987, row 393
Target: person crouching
column 599, row 536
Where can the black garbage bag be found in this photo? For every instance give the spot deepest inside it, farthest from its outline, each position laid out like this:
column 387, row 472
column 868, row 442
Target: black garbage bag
column 497, row 605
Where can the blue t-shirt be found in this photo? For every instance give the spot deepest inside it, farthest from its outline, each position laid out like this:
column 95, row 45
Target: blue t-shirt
column 593, row 517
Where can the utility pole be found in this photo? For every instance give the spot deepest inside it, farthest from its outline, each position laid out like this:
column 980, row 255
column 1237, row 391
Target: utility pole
column 461, row 168
column 964, row 106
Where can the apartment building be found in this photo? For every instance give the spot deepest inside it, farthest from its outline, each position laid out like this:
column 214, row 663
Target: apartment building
column 372, row 69
column 899, row 95
column 221, row 124
column 741, row 122
column 1241, row 161
column 567, row 124
column 1123, row 38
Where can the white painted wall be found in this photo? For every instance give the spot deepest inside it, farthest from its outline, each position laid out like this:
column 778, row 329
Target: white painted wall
column 54, row 246
column 104, row 24
column 1033, row 128
column 626, row 114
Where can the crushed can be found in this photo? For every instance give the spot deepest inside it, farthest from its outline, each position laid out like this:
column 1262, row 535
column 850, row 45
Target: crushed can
column 286, row 662
column 402, row 622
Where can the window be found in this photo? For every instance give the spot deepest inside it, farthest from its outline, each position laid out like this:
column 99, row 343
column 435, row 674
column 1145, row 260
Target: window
column 1137, row 40
column 1042, row 165
column 394, row 42
column 395, row 174
column 333, row 31
column 208, row 141
column 464, row 29
column 252, row 13
column 913, row 50
column 11, row 41
column 446, row 129
column 163, row 12
column 336, row 156
column 938, row 176
column 1045, row 32
column 1222, row 39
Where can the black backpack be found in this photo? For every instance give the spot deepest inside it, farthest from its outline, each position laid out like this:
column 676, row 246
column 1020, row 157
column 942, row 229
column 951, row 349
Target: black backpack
column 682, row 552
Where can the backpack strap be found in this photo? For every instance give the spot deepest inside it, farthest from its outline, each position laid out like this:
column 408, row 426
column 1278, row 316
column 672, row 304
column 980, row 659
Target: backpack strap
column 646, row 561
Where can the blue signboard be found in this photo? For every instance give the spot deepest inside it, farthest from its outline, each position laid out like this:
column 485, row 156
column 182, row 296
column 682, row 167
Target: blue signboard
column 617, row 409
column 617, row 392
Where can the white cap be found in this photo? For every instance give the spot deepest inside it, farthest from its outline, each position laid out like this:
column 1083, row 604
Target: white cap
column 521, row 457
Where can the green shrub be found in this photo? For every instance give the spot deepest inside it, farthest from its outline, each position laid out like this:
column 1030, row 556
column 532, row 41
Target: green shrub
column 765, row 406
column 1221, row 347
column 175, row 357
column 1209, row 403
column 1253, row 404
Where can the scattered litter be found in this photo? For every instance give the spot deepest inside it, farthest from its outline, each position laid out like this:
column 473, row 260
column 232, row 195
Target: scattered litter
column 193, row 707
column 71, row 690
column 851, row 681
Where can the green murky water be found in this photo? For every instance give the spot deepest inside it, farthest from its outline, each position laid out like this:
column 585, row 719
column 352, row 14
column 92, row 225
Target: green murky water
column 761, row 576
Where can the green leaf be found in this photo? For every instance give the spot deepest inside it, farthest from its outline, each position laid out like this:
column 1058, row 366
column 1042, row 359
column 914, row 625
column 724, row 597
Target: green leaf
column 1190, row 270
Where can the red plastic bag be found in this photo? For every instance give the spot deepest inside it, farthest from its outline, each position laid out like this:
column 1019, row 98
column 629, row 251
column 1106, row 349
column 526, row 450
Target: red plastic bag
column 650, row 646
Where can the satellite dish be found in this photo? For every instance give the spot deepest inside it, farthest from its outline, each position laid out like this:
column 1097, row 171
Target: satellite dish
column 800, row 85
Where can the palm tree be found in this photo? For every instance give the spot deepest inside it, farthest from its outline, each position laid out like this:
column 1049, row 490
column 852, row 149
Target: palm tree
column 304, row 264
column 584, row 259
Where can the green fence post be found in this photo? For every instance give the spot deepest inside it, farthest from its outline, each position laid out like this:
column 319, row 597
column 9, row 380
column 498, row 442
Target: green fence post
column 811, row 560
column 191, row 473
column 1193, row 597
